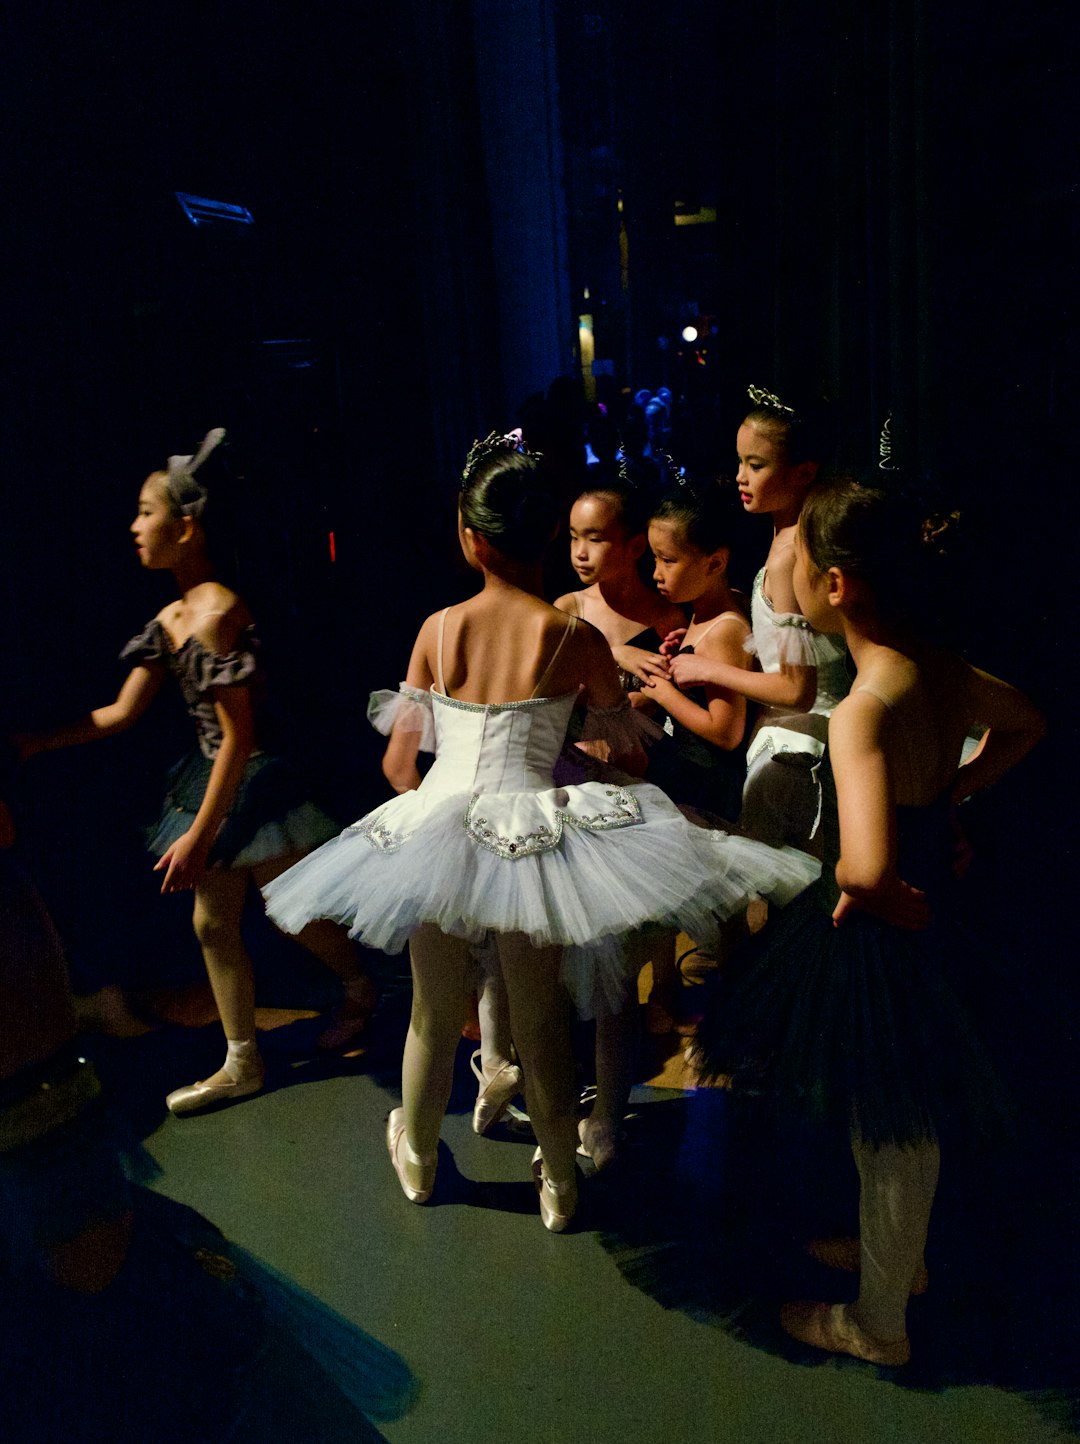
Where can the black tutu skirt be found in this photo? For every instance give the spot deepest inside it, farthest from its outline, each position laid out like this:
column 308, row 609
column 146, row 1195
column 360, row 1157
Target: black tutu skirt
column 272, row 813
column 859, row 1025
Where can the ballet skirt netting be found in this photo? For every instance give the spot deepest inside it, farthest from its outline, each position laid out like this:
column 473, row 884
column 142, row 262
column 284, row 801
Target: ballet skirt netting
column 489, row 843
column 865, row 1024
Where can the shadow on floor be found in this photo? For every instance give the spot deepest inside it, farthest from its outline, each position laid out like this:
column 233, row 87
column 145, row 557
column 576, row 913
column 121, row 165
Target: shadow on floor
column 711, row 1211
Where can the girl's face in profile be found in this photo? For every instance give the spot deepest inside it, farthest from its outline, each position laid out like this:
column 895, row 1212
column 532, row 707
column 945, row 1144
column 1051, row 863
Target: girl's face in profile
column 599, row 546
column 155, row 529
column 682, row 571
column 767, row 481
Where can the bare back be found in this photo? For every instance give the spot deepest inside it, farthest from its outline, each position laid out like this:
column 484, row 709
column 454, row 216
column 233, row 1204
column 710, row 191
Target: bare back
column 509, row 646
column 928, row 700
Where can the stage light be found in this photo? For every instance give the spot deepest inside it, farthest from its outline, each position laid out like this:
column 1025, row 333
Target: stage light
column 203, row 212
column 689, row 334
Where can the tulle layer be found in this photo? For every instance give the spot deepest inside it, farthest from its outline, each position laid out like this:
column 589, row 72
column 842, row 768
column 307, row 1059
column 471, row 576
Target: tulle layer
column 857, row 1025
column 793, row 638
column 581, row 893
column 271, row 815
column 408, row 708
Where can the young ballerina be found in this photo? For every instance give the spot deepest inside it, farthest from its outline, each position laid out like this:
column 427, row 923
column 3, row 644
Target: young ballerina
column 842, row 1004
column 487, row 846
column 608, row 537
column 803, row 673
column 233, row 813
column 703, row 764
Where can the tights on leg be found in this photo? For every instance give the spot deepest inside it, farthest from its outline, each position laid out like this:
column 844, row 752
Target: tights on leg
column 328, row 941
column 440, row 966
column 541, row 1028
column 896, row 1194
column 495, row 1037
column 616, row 1051
column 219, row 905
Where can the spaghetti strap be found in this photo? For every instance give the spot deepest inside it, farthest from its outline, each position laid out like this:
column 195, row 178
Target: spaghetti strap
column 438, row 651
column 873, row 692
column 571, row 626
column 579, row 609
column 723, row 617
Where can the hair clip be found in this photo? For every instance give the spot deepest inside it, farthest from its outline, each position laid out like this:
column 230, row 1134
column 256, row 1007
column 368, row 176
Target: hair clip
column 671, row 472
column 937, row 526
column 492, row 444
column 886, row 462
column 760, row 397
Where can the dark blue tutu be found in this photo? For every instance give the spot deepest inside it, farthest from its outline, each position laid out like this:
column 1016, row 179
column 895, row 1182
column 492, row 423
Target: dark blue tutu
column 272, row 814
column 862, row 1024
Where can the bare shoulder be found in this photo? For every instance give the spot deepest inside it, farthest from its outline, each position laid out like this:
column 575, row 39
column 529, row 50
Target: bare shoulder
column 858, row 721
column 569, row 602
column 726, row 639
column 993, row 703
column 221, row 619
column 780, row 572
column 587, row 639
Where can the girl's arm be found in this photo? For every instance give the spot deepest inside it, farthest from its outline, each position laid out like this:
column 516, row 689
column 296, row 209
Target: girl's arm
column 185, row 861
column 604, row 693
column 139, row 690
column 399, row 760
column 793, row 687
column 1015, row 725
column 722, row 720
column 866, row 873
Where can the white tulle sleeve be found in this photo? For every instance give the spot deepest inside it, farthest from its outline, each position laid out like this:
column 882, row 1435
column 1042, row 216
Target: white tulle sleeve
column 795, row 639
column 409, row 708
column 623, row 727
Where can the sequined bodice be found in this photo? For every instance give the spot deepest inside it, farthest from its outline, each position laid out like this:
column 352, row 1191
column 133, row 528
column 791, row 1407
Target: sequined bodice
column 497, row 747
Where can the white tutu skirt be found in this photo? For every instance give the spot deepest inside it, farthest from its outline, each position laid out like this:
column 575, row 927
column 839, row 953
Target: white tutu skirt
column 575, row 867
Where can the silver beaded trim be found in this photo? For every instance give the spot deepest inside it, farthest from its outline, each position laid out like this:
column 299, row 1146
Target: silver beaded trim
column 379, row 835
column 416, row 694
column 625, row 811
column 500, row 706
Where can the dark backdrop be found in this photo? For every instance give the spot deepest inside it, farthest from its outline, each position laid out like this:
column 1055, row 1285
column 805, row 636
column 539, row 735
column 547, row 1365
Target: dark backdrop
column 896, row 189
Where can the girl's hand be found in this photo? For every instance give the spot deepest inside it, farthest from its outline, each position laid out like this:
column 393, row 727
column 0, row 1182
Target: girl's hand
column 657, row 689
column 673, row 641
column 184, row 863
column 689, row 670
column 896, row 903
column 640, row 663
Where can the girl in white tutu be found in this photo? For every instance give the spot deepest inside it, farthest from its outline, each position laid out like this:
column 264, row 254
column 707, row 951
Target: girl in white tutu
column 488, row 846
